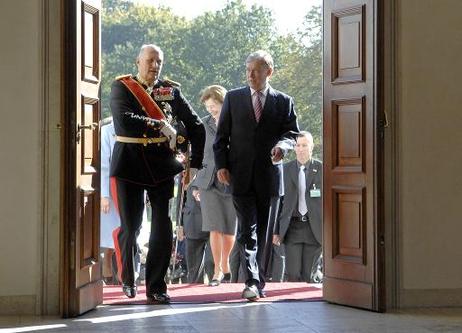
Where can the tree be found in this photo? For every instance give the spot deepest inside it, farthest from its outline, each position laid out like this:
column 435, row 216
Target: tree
column 217, row 44
column 212, row 48
column 125, row 29
column 300, row 74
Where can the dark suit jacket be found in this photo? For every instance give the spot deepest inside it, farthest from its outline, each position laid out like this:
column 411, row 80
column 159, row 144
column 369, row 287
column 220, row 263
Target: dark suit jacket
column 153, row 163
column 192, row 217
column 243, row 146
column 314, row 177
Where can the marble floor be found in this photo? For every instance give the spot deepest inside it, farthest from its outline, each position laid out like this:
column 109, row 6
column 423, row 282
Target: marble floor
column 293, row 317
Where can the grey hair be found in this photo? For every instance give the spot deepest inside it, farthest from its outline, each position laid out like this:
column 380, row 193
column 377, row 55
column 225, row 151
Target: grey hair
column 261, row 55
column 151, row 46
column 305, row 134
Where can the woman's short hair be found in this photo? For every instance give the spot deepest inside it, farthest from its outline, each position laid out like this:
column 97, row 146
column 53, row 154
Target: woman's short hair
column 215, row 92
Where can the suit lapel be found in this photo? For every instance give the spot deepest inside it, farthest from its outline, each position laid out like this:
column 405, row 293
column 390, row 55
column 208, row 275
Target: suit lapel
column 293, row 173
column 309, row 176
column 269, row 103
column 247, row 100
column 312, row 171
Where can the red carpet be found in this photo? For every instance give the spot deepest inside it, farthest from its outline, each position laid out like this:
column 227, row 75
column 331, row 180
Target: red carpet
column 224, row 293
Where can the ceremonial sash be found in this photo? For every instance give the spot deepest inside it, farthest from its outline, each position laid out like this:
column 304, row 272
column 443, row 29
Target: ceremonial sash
column 147, row 103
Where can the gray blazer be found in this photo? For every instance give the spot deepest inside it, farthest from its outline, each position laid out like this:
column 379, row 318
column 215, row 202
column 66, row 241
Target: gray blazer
column 206, row 175
column 314, row 177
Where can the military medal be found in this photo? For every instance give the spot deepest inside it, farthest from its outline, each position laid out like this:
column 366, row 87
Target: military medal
column 167, row 108
column 163, row 94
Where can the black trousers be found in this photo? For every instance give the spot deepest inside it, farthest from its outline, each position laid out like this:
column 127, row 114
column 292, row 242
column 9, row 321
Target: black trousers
column 277, row 264
column 130, row 198
column 252, row 214
column 237, row 263
column 267, row 250
column 199, row 260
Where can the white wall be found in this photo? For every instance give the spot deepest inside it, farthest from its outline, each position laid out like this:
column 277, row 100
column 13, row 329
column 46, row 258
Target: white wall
column 20, row 137
column 430, row 154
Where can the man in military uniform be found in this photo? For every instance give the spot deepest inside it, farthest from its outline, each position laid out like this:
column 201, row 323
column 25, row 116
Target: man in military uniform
column 145, row 110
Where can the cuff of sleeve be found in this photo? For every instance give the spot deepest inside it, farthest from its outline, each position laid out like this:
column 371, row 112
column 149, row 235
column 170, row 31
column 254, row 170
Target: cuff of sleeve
column 195, row 164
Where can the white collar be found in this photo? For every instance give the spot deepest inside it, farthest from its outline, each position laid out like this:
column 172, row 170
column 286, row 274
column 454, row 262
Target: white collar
column 264, row 91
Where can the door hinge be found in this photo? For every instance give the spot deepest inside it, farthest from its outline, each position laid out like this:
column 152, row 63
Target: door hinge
column 384, row 121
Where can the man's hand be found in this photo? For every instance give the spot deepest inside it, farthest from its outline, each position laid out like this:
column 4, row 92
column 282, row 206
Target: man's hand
column 180, row 157
column 276, row 154
column 224, row 176
column 105, row 205
column 276, row 240
column 196, row 195
column 170, row 133
column 180, row 233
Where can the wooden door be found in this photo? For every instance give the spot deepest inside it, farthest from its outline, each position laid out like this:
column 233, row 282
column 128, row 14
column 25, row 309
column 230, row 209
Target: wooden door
column 353, row 234
column 83, row 288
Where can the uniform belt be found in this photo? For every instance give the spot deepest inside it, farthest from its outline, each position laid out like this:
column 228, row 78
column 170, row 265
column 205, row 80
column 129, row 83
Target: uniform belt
column 144, row 141
column 303, row 218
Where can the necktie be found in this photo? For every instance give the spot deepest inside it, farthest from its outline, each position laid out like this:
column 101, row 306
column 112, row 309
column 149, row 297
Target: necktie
column 257, row 106
column 301, row 191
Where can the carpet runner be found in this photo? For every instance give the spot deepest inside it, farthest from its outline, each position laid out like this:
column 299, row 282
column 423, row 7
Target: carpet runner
column 224, row 293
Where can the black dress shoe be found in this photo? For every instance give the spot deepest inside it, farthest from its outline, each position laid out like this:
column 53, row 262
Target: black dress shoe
column 251, row 293
column 129, row 291
column 261, row 293
column 226, row 278
column 158, row 298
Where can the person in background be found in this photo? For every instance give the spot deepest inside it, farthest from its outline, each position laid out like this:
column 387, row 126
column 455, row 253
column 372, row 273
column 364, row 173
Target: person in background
column 218, row 213
column 300, row 224
column 109, row 218
column 273, row 260
column 198, row 254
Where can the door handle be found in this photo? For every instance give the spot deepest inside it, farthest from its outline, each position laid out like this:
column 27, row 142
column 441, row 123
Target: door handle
column 91, row 126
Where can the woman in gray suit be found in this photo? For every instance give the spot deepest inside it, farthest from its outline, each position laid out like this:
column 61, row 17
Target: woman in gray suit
column 218, row 213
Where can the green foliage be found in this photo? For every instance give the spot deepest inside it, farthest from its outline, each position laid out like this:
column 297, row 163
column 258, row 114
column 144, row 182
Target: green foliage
column 219, row 42
column 300, row 74
column 212, row 48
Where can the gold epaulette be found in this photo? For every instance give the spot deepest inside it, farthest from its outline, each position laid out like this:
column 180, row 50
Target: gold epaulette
column 122, row 76
column 172, row 83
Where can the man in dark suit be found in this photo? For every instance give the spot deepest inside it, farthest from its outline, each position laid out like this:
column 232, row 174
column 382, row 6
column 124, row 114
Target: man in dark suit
column 144, row 109
column 299, row 227
column 272, row 257
column 198, row 255
column 256, row 126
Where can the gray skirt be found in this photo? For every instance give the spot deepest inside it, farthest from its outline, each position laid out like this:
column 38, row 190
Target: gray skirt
column 218, row 213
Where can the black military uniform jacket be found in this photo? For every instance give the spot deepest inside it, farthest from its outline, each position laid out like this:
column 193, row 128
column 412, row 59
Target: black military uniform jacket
column 152, row 163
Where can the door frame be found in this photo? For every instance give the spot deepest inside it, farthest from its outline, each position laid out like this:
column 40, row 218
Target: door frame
column 49, row 251
column 390, row 198
column 391, row 194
